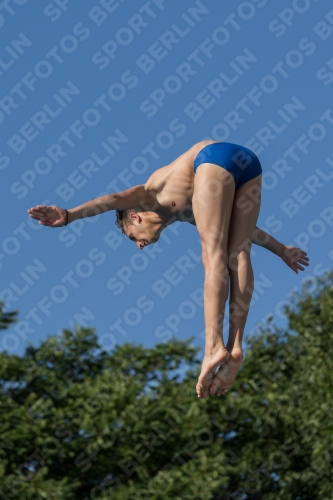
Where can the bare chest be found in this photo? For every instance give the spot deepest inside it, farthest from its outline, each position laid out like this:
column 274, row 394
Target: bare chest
column 172, row 187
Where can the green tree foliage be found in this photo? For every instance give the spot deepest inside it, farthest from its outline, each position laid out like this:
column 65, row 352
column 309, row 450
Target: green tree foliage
column 80, row 423
column 6, row 318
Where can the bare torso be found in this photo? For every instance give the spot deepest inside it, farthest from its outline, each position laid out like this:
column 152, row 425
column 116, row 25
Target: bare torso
column 172, row 186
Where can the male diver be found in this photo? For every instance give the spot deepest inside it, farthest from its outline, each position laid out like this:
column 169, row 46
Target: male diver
column 216, row 187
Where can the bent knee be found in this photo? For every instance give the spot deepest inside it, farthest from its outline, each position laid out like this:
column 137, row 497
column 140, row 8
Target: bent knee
column 216, row 264
column 244, row 244
column 215, row 257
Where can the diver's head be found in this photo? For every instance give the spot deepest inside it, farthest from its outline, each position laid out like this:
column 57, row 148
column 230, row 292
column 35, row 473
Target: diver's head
column 144, row 228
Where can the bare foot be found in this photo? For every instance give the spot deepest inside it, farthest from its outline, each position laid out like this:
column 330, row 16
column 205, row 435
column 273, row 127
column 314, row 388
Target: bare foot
column 226, row 373
column 209, row 365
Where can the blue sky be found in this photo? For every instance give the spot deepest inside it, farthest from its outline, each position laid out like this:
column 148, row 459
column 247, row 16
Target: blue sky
column 96, row 96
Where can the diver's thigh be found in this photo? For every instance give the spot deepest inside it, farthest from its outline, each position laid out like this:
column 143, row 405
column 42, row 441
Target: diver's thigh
column 244, row 216
column 212, row 202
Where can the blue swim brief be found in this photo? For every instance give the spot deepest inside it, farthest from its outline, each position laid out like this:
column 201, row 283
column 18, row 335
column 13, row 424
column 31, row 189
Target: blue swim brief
column 241, row 162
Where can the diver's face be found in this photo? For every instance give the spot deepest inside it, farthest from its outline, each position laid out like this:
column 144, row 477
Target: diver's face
column 143, row 233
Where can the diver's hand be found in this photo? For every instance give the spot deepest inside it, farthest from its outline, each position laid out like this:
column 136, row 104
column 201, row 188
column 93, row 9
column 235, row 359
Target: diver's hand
column 49, row 216
column 295, row 258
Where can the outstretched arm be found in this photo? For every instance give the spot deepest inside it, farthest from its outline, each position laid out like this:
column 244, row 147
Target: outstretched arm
column 294, row 257
column 53, row 216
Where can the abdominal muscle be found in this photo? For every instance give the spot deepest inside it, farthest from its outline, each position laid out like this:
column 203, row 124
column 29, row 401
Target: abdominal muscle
column 172, row 186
